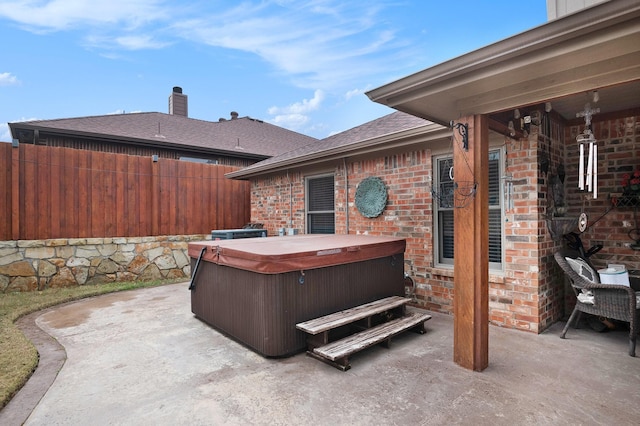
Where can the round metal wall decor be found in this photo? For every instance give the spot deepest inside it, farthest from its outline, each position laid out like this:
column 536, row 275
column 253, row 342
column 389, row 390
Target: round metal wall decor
column 371, row 197
column 582, row 222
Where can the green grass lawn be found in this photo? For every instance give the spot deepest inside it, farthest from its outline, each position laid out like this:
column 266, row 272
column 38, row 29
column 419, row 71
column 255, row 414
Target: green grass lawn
column 18, row 357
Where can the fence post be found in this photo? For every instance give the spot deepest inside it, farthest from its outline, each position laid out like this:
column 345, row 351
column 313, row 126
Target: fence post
column 15, row 190
column 155, row 195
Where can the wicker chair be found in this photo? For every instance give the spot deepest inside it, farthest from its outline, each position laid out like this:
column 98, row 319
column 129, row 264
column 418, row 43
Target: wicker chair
column 610, row 301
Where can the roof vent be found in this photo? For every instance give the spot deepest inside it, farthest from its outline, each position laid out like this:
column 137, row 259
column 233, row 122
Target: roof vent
column 234, row 115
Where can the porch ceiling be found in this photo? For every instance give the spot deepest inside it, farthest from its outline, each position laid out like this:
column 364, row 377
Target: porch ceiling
column 562, row 61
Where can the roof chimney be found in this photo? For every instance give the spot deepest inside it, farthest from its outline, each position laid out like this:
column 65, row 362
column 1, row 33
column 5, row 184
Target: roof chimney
column 234, row 115
column 178, row 103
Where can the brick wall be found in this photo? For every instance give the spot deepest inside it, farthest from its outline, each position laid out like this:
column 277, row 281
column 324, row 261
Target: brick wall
column 278, row 201
column 530, row 293
column 408, row 215
column 618, row 153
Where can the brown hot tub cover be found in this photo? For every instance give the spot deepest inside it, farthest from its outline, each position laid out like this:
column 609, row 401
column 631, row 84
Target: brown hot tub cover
column 276, row 255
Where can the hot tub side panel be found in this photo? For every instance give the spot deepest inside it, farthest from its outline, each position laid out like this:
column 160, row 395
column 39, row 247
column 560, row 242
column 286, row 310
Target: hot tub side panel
column 261, row 310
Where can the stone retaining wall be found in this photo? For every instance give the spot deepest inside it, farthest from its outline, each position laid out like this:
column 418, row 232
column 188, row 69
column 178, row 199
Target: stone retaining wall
column 29, row 265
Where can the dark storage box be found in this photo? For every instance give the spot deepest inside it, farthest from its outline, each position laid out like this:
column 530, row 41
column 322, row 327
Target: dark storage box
column 232, row 234
column 257, row 290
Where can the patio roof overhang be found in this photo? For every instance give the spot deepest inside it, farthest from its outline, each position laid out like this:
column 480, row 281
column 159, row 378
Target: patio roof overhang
column 595, row 49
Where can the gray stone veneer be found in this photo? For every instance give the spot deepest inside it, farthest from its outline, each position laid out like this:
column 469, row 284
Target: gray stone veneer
column 29, row 265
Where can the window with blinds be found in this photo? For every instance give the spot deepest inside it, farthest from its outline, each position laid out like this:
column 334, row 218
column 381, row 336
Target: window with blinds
column 445, row 205
column 495, row 209
column 320, row 195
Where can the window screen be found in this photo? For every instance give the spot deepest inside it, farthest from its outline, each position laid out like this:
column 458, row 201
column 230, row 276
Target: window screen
column 320, row 205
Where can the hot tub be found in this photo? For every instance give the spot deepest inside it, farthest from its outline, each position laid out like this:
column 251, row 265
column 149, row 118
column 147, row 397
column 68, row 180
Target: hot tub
column 256, row 290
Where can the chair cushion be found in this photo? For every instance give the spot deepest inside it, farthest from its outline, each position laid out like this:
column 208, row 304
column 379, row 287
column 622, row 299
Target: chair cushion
column 582, row 268
column 586, row 296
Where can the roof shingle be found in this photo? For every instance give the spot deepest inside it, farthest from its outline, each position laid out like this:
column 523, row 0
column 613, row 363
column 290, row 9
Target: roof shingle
column 389, row 124
column 243, row 135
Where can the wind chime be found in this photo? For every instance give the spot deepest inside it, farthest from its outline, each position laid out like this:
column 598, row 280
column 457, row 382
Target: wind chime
column 588, row 179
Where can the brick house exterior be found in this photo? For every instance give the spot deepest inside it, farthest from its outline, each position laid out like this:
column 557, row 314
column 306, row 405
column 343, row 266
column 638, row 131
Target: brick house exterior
column 527, row 291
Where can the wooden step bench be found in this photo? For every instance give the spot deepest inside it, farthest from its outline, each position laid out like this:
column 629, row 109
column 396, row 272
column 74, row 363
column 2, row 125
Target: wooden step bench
column 338, row 352
column 362, row 317
column 338, row 319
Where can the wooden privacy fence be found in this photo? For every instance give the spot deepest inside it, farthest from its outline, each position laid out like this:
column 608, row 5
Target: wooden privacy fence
column 51, row 192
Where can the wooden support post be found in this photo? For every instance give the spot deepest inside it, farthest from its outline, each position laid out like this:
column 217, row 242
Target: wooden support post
column 15, row 192
column 471, row 246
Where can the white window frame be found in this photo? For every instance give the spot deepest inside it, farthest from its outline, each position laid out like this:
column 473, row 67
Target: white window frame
column 307, row 211
column 448, row 262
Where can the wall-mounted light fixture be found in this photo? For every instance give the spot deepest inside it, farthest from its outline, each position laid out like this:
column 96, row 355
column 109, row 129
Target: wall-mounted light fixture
column 526, row 125
column 154, row 158
column 15, row 143
column 463, row 130
column 512, row 129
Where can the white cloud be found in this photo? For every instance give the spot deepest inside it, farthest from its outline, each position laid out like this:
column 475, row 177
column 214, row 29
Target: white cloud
column 113, row 24
column 140, row 42
column 290, row 121
column 22, row 120
column 128, row 42
column 295, row 116
column 355, row 92
column 56, row 15
column 5, row 134
column 307, row 105
column 319, row 44
column 325, row 44
column 7, row 79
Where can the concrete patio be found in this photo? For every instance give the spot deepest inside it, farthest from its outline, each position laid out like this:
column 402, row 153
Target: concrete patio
column 142, row 358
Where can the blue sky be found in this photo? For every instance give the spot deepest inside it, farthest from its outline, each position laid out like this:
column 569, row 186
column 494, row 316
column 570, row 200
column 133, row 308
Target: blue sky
column 303, row 65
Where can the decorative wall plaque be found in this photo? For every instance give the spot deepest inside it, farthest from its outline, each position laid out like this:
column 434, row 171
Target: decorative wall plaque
column 371, row 197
